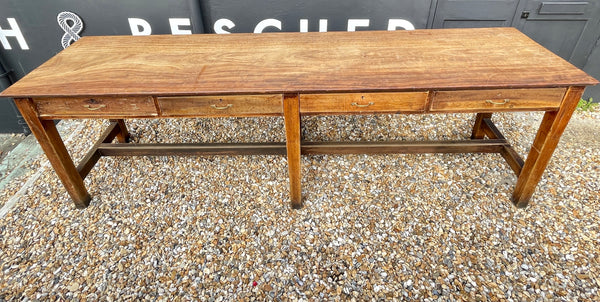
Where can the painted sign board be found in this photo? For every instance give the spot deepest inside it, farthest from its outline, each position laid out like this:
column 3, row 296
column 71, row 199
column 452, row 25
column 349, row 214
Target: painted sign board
column 32, row 31
column 313, row 15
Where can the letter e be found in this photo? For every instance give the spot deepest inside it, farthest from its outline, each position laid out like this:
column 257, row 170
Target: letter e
column 176, row 22
column 354, row 23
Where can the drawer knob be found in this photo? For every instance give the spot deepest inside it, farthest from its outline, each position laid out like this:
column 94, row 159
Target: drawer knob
column 498, row 103
column 89, row 107
column 221, row 107
column 362, row 105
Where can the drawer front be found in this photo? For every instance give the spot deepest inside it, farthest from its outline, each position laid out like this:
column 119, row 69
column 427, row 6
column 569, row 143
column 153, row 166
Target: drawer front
column 492, row 100
column 225, row 105
column 357, row 103
column 96, row 107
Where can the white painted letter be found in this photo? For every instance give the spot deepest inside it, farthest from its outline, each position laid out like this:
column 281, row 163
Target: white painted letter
column 303, row 25
column 221, row 24
column 266, row 23
column 176, row 22
column 139, row 27
column 354, row 23
column 322, row 25
column 393, row 24
column 14, row 31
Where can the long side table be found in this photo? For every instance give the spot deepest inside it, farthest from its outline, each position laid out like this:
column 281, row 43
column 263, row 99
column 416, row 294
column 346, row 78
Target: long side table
column 294, row 74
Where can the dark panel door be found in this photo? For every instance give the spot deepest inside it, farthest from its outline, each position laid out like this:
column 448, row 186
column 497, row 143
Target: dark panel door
column 474, row 13
column 568, row 28
column 592, row 67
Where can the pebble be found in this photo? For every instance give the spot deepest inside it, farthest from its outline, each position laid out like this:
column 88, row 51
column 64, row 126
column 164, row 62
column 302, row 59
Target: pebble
column 73, row 286
column 380, row 227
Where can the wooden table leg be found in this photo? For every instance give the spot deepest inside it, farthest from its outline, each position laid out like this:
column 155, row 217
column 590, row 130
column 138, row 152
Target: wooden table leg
column 291, row 112
column 551, row 128
column 123, row 135
column 52, row 144
column 478, row 132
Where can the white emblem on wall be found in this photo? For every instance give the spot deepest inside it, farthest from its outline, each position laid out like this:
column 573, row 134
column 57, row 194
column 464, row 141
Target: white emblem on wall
column 13, row 31
column 223, row 25
column 72, row 25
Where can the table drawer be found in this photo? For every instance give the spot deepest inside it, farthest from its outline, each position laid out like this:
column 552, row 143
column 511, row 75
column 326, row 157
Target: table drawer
column 357, row 103
column 95, row 107
column 224, row 105
column 491, row 100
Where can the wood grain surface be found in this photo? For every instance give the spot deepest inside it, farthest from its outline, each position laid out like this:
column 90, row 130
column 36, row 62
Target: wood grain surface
column 495, row 100
column 84, row 107
column 291, row 111
column 363, row 103
column 52, row 144
column 221, row 105
column 208, row 64
column 551, row 128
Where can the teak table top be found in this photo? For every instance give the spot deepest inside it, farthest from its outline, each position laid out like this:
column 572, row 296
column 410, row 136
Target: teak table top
column 292, row 74
column 299, row 63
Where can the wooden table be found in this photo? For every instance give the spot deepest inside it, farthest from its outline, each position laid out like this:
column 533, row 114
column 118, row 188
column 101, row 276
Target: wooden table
column 295, row 74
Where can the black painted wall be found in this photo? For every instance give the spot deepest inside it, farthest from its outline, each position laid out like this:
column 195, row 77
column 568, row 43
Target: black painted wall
column 41, row 33
column 570, row 28
column 247, row 15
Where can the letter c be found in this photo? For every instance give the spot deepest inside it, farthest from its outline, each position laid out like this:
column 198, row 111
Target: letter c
column 222, row 24
column 267, row 23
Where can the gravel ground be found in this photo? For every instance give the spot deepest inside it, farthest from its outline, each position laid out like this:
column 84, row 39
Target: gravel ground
column 406, row 227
